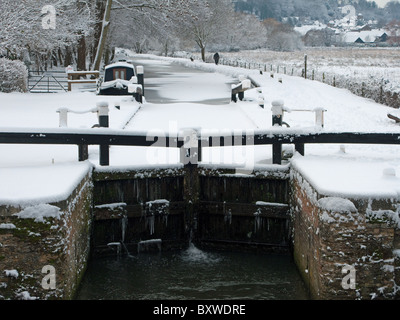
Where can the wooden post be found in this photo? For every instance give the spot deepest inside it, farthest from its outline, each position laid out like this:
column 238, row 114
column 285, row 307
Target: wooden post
column 190, row 157
column 300, row 148
column 319, row 117
column 83, row 152
column 103, row 112
column 63, row 117
column 305, row 66
column 261, row 101
column 277, row 113
column 140, row 77
column 277, row 120
column 189, row 153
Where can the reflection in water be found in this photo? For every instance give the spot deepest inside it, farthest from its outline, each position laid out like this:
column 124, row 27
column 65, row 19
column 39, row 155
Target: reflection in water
column 193, row 275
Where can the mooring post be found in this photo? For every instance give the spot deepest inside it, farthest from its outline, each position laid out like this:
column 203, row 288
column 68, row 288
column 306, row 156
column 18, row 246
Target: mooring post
column 140, row 77
column 103, row 113
column 277, row 120
column 136, row 90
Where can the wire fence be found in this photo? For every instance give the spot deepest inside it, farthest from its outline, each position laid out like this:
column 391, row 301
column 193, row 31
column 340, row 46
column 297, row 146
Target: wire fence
column 366, row 86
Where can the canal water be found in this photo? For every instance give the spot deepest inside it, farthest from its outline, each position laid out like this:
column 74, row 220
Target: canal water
column 193, row 274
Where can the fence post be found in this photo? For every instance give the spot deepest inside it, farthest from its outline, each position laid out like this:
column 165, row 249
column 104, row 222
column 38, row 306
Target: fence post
column 277, row 120
column 305, row 66
column 261, row 100
column 103, row 113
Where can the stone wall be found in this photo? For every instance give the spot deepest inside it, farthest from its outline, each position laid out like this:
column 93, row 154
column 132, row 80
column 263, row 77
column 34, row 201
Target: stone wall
column 56, row 238
column 345, row 248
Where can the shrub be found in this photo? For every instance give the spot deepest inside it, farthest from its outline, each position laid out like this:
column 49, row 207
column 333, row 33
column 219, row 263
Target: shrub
column 13, row 76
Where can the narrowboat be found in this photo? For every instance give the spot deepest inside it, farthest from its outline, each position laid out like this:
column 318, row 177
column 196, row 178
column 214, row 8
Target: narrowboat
column 118, row 76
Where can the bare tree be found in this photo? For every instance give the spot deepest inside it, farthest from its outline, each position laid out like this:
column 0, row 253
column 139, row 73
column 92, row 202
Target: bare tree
column 282, row 37
column 21, row 25
column 208, row 22
column 247, row 32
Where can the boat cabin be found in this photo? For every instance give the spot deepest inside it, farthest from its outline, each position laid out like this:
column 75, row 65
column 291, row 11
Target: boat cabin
column 119, row 70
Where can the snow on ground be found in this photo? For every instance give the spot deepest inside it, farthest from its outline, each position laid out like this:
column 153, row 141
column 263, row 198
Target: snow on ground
column 34, row 185
column 30, row 175
column 353, row 177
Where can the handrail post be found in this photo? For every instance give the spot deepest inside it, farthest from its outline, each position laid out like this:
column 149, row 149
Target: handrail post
column 190, row 152
column 319, row 117
column 103, row 113
column 63, row 117
column 300, row 148
column 277, row 120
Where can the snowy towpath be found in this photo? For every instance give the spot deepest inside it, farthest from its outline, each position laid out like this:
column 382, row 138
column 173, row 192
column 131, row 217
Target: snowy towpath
column 181, row 97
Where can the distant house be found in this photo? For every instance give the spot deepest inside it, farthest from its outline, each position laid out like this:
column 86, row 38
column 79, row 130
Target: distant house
column 359, row 40
column 365, row 37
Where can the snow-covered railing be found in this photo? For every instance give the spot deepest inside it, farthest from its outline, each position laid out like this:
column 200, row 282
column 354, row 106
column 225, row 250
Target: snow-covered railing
column 191, row 142
column 239, row 89
column 74, row 77
column 279, row 109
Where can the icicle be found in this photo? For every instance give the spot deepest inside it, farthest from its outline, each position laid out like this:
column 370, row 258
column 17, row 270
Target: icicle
column 227, row 215
column 150, row 224
column 124, row 225
column 258, row 221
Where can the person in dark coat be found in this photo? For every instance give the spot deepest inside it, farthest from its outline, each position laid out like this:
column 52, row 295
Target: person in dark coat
column 216, row 58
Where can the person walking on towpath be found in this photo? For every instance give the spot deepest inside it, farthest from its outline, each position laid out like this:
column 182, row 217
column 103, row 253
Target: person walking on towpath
column 216, row 58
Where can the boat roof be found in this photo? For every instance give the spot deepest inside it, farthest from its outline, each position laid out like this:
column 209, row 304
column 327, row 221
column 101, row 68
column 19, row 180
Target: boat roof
column 122, row 64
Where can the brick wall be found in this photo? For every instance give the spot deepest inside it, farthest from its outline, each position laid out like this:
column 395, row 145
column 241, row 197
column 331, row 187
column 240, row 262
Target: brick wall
column 26, row 246
column 332, row 238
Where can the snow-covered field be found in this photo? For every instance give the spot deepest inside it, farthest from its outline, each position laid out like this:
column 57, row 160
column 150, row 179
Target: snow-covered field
column 23, row 169
column 369, row 72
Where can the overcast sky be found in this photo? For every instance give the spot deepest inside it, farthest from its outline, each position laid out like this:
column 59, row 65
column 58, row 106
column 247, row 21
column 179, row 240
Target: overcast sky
column 382, row 3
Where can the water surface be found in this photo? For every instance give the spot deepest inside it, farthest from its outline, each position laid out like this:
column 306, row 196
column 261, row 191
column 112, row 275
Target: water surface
column 193, row 275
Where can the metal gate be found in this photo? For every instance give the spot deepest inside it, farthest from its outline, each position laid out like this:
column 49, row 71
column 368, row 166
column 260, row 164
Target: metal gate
column 47, row 81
